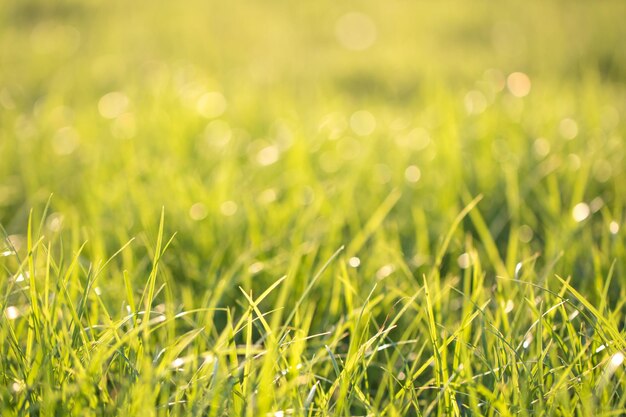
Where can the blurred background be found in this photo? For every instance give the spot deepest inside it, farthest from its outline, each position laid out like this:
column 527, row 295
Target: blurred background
column 270, row 127
column 312, row 50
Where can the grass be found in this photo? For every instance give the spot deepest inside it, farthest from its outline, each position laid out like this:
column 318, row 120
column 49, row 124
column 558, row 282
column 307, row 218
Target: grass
column 221, row 209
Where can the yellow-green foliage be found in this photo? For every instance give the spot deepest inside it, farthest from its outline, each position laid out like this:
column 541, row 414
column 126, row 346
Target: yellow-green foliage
column 312, row 208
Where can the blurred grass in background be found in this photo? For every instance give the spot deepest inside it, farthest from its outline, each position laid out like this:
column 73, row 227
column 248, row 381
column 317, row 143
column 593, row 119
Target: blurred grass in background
column 274, row 132
column 120, row 109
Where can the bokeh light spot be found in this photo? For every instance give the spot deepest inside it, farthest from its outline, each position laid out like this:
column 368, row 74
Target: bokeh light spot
column 356, row 31
column 198, row 211
column 568, row 128
column 65, row 141
column 518, row 84
column 362, row 123
column 475, row 102
column 614, row 227
column 268, row 155
column 464, row 260
column 580, row 212
column 54, row 222
column 256, row 267
column 113, row 104
column 412, row 174
column 211, row 105
column 267, row 196
column 541, row 147
column 385, row 271
column 525, row 233
column 228, row 208
column 573, row 161
column 12, row 312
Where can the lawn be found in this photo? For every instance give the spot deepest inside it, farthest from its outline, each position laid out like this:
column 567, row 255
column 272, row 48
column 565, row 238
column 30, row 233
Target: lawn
column 292, row 208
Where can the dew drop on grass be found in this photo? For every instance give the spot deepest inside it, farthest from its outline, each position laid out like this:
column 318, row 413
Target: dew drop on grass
column 617, row 359
column 580, row 212
column 21, row 277
column 464, row 260
column 510, row 305
column 12, row 312
column 208, row 358
column 177, row 363
column 527, row 341
column 354, row 262
column 614, row 227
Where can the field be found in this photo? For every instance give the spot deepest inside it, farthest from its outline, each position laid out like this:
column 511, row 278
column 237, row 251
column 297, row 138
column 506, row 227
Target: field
column 274, row 208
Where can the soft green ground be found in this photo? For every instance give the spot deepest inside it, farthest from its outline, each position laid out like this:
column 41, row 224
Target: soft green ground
column 234, row 213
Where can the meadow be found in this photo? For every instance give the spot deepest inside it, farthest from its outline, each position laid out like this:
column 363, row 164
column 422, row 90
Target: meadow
column 312, row 208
